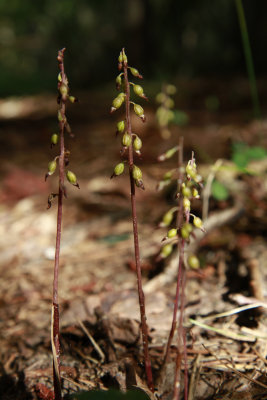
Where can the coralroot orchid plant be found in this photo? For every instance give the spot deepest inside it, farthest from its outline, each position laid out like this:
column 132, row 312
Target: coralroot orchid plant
column 189, row 182
column 60, row 161
column 132, row 144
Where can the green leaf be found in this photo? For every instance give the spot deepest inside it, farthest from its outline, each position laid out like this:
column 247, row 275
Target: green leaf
column 256, row 153
column 110, row 395
column 219, row 191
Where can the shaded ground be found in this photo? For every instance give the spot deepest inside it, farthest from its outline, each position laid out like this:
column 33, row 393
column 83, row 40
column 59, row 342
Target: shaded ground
column 97, row 281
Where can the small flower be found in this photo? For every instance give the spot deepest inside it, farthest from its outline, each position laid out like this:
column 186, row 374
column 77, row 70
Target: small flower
column 117, row 102
column 52, row 165
column 139, row 91
column 73, row 99
column 120, row 126
column 186, row 230
column 137, row 144
column 198, row 222
column 186, row 191
column 137, row 173
column 172, row 233
column 126, row 139
column 186, row 204
column 54, row 139
column 135, row 72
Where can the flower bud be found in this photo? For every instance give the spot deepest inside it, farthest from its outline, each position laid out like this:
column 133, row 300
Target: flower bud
column 186, row 230
column 126, row 139
column 197, row 222
column 52, row 165
column 168, row 175
column 60, row 116
column 135, row 72
column 191, row 171
column 120, row 59
column 137, row 144
column 166, row 250
column 171, row 89
column 172, row 233
column 186, row 191
column 193, row 261
column 118, row 81
column 137, row 173
column 139, row 111
column 186, row 204
column 64, row 90
column 120, row 126
column 139, row 91
column 195, row 193
column 59, row 77
column 167, row 218
column 73, row 99
column 117, row 102
column 72, row 178
column 118, row 170
column 54, row 139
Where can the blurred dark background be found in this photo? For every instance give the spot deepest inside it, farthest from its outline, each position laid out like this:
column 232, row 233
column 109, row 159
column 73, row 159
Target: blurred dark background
column 164, row 38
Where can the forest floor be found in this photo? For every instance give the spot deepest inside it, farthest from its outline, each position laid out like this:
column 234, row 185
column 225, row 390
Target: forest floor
column 97, row 289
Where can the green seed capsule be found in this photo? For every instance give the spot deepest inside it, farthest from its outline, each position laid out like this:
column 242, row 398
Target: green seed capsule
column 120, row 59
column 71, row 177
column 52, row 165
column 139, row 110
column 73, row 99
column 118, row 170
column 193, row 261
column 172, row 233
column 120, row 126
column 138, row 90
column 137, row 144
column 54, row 138
column 197, row 222
column 186, row 204
column 126, row 139
column 166, row 250
column 137, row 173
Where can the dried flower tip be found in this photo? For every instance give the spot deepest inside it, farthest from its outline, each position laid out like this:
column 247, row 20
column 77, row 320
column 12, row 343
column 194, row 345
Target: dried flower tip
column 193, row 262
column 197, row 222
column 137, row 144
column 120, row 126
column 186, row 191
column 73, row 99
column 135, row 72
column 186, row 204
column 137, row 173
column 166, row 250
column 72, row 178
column 126, row 139
column 172, row 233
column 117, row 102
column 139, row 183
column 54, row 139
column 139, row 91
column 139, row 111
column 118, row 170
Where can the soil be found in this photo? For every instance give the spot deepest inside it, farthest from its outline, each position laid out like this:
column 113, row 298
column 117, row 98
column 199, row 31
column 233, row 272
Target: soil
column 226, row 344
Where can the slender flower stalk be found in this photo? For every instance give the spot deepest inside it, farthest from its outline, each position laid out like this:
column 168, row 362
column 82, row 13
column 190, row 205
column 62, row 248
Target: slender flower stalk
column 188, row 183
column 132, row 143
column 62, row 159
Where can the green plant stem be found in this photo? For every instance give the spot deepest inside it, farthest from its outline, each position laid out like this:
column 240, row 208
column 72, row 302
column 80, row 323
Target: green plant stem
column 55, row 309
column 249, row 58
column 136, row 241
